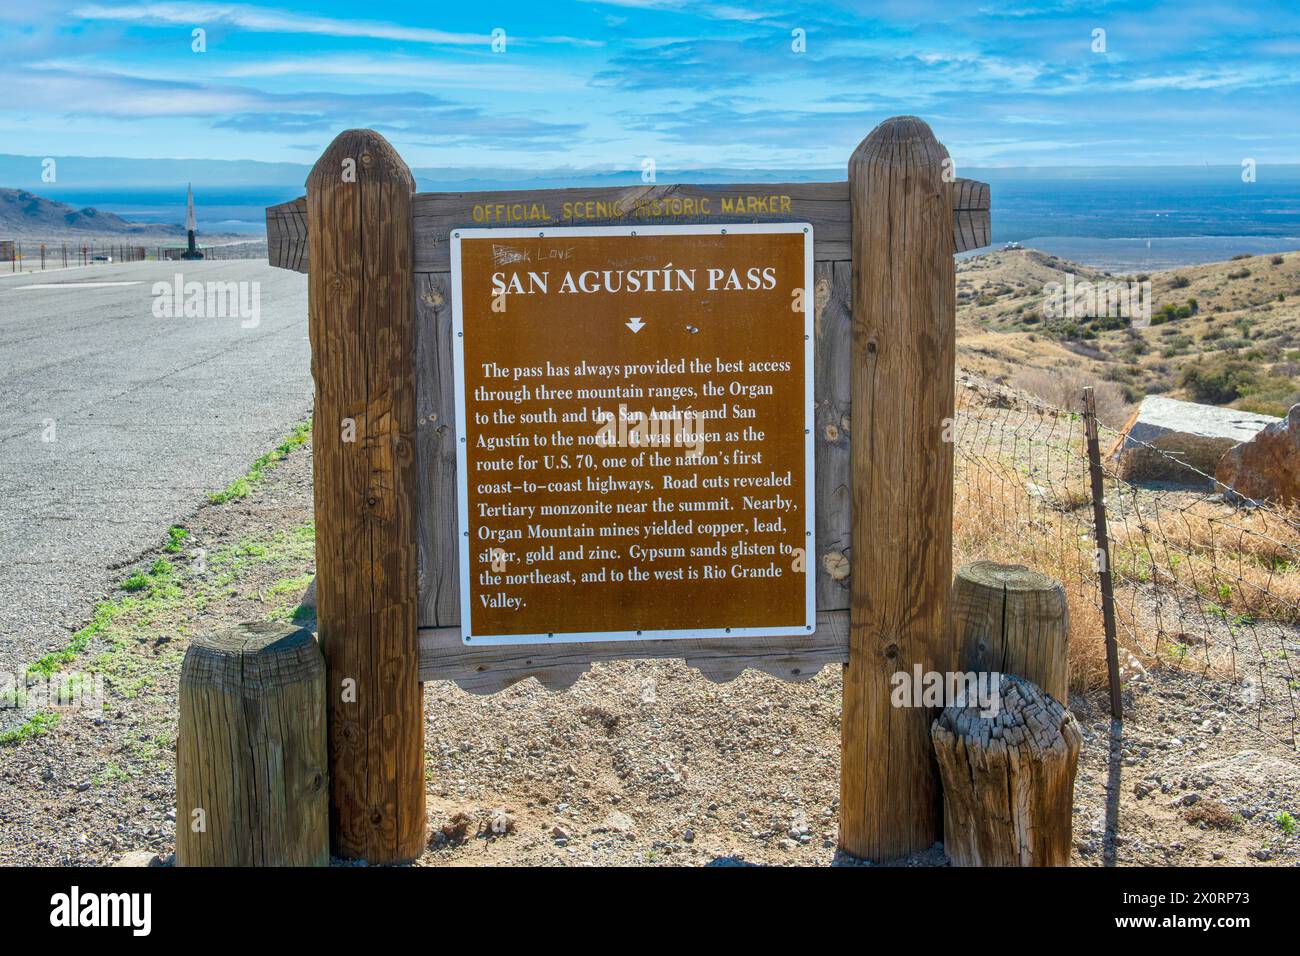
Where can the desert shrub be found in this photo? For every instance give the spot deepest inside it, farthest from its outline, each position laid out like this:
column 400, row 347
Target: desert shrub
column 1169, row 312
column 1270, row 394
column 1063, row 388
column 1238, row 273
column 1136, row 348
column 1218, row 381
column 1179, row 282
column 1276, row 260
column 1213, row 814
column 1109, row 323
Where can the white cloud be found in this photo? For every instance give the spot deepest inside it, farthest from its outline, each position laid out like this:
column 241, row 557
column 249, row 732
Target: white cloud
column 485, row 74
column 273, row 21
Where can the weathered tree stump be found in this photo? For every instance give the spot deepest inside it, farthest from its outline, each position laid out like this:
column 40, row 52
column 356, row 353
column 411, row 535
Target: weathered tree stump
column 1008, row 780
column 1014, row 621
column 251, row 762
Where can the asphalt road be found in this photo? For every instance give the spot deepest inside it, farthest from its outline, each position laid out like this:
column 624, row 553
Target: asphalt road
column 115, row 423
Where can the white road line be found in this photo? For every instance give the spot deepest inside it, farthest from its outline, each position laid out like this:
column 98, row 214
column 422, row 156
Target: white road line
column 74, row 285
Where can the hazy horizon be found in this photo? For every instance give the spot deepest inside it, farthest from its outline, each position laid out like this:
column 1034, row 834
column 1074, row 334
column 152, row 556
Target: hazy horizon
column 24, row 171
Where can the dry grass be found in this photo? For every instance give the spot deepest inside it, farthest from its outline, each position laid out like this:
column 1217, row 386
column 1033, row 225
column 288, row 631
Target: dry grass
column 1063, row 387
column 1190, row 571
column 1244, row 563
column 995, row 518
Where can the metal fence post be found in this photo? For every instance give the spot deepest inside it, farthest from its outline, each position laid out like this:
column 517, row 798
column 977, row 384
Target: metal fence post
column 1103, row 551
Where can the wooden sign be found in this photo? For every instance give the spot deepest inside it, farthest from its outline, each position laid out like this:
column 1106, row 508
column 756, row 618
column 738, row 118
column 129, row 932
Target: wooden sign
column 424, row 571
column 635, row 409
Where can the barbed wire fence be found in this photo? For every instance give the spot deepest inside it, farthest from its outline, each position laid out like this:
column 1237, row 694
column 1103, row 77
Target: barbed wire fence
column 1206, row 582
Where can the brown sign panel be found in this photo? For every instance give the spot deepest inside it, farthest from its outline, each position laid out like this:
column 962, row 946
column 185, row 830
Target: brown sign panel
column 635, row 408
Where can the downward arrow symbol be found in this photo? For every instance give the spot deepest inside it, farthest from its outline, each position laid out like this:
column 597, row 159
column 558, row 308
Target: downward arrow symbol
column 635, row 324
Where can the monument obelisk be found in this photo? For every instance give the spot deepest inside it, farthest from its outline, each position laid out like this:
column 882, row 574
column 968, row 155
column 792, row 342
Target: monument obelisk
column 192, row 252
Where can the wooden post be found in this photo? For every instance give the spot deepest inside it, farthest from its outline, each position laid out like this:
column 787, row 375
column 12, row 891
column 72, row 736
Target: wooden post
column 1103, row 552
column 360, row 315
column 250, row 750
column 1008, row 778
column 1014, row 621
column 904, row 344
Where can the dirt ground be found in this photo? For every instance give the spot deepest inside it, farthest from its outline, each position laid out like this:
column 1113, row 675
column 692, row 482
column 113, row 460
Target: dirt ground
column 639, row 763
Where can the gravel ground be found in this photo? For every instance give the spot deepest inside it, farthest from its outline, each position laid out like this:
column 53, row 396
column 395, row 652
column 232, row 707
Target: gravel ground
column 639, row 763
column 114, row 422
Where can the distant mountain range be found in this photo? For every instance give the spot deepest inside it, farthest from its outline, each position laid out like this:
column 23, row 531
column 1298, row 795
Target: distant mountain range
column 91, row 174
column 24, row 214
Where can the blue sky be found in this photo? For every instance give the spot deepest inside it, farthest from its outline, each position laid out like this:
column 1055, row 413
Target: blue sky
column 601, row 85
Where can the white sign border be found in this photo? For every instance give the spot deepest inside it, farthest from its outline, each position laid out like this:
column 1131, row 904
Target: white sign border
column 462, row 486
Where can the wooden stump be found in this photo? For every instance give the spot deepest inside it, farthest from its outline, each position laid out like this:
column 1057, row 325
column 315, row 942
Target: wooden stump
column 1014, row 621
column 251, row 762
column 1008, row 780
